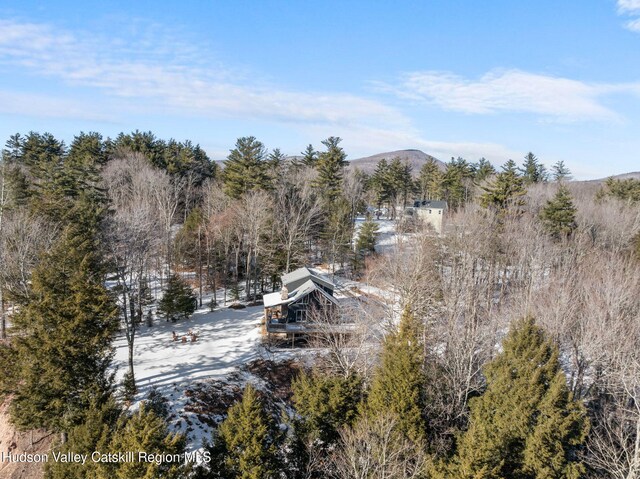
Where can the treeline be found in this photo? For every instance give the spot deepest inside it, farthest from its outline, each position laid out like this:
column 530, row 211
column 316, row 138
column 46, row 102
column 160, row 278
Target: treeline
column 558, row 398
column 437, row 402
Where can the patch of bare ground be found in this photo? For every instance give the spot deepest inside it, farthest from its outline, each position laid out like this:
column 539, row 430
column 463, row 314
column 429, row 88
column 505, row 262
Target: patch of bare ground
column 210, row 400
column 37, row 441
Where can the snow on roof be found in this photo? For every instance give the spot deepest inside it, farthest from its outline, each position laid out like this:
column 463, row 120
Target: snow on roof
column 275, row 299
column 272, row 299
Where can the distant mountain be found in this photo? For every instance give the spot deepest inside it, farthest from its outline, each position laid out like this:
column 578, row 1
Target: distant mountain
column 623, row 176
column 416, row 159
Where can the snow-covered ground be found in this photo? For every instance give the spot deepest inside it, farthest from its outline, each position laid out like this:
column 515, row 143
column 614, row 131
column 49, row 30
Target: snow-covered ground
column 387, row 234
column 226, row 339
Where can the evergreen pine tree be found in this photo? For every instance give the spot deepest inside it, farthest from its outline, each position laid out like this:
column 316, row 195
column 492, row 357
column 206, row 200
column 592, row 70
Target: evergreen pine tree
column 400, row 182
column 483, row 170
column 146, row 432
column 559, row 214
column 325, row 404
column 397, row 386
column 246, row 443
column 309, row 156
column 245, row 169
column 330, row 166
column 526, row 425
column 456, row 182
column 532, row 170
column 276, row 166
column 178, row 301
column 430, row 180
column 93, row 434
column 506, row 191
column 560, row 172
column 380, row 184
column 367, row 237
column 63, row 346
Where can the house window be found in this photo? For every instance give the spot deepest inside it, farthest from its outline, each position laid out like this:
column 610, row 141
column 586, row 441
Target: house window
column 439, row 212
column 300, row 315
column 429, row 211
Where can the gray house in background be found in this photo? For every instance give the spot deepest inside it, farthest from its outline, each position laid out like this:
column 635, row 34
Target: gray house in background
column 430, row 211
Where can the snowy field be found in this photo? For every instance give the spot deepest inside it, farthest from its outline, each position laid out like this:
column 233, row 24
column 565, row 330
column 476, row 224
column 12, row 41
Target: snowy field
column 226, row 339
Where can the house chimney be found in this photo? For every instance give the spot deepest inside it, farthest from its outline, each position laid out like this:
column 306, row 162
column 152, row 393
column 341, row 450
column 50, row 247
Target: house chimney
column 284, row 294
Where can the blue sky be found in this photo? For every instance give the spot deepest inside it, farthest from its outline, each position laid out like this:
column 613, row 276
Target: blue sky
column 452, row 78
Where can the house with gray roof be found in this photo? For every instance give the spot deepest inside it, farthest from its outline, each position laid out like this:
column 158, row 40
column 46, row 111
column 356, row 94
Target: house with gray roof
column 290, row 310
column 430, row 211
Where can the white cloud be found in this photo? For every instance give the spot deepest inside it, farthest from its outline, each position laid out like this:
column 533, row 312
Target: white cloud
column 164, row 79
column 551, row 97
column 633, row 25
column 42, row 106
column 628, row 6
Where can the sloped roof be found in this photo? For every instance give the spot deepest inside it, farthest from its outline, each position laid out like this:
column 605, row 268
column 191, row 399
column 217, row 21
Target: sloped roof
column 275, row 299
column 304, row 273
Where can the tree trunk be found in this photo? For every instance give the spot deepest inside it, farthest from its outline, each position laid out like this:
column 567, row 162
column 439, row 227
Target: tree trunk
column 3, row 320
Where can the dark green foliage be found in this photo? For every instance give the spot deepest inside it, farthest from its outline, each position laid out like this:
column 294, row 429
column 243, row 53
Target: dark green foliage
column 45, row 177
column 178, row 301
column 560, row 173
column 180, row 159
column 325, row 404
column 338, row 231
column 63, row 345
column 157, row 403
column 247, row 442
column 309, row 156
column 626, row 190
column 93, row 434
column 379, row 183
column 367, row 236
column 245, row 169
column 235, row 291
column 430, row 181
column 129, row 388
column 482, row 170
column 187, row 244
column 559, row 214
column 532, row 170
column 397, row 386
column 526, row 425
column 392, row 182
column 505, row 193
column 330, row 166
column 145, row 431
column 145, row 143
column 456, row 183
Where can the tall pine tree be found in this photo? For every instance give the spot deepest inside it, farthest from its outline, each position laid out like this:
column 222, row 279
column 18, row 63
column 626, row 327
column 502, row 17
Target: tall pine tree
column 559, row 214
column 505, row 193
column 63, row 346
column 246, row 443
column 330, row 166
column 526, row 425
column 397, row 386
column 245, row 169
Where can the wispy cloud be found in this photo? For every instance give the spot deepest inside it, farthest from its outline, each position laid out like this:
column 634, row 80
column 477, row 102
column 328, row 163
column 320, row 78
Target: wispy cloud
column 43, row 106
column 165, row 78
column 628, row 6
column 556, row 98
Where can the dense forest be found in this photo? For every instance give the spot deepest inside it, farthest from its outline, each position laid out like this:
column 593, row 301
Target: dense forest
column 508, row 345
